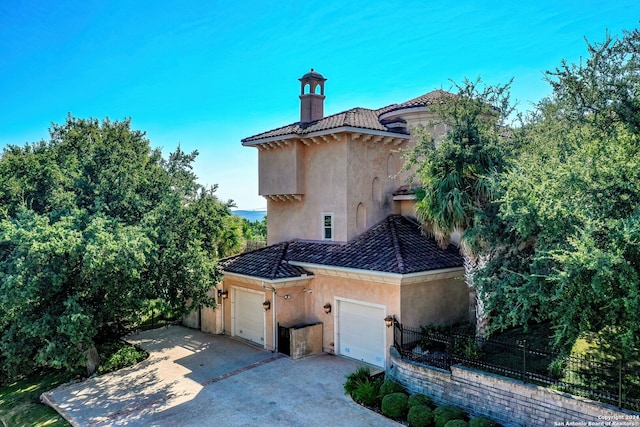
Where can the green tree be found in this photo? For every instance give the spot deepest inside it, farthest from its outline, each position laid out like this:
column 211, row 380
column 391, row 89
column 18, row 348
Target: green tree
column 456, row 173
column 255, row 230
column 564, row 246
column 93, row 224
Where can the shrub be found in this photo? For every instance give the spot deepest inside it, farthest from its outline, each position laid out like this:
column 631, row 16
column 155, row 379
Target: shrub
column 360, row 376
column 444, row 414
column 394, row 405
column 482, row 422
column 456, row 423
column 420, row 416
column 390, row 386
column 368, row 393
column 557, row 367
column 419, row 399
column 128, row 355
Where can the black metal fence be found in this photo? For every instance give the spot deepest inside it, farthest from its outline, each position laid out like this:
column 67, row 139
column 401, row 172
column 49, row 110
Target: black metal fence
column 609, row 381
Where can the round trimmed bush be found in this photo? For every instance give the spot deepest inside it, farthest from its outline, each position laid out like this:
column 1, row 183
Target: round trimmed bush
column 419, row 399
column 456, row 423
column 390, row 386
column 443, row 414
column 394, row 405
column 482, row 422
column 420, row 416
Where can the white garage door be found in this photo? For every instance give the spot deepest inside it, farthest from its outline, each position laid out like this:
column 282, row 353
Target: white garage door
column 361, row 332
column 249, row 316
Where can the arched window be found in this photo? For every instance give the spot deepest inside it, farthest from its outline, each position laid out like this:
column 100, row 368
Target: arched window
column 391, row 170
column 376, row 190
column 361, row 217
column 307, row 88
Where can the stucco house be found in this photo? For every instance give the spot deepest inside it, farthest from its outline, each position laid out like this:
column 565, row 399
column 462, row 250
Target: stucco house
column 344, row 249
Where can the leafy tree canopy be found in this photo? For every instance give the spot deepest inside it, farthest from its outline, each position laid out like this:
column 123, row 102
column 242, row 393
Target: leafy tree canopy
column 93, row 224
column 549, row 209
column 564, row 243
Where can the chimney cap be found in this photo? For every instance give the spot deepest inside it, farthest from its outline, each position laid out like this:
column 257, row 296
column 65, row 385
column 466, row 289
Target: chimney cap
column 313, row 74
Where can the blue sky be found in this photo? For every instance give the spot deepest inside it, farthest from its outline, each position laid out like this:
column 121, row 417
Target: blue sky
column 205, row 74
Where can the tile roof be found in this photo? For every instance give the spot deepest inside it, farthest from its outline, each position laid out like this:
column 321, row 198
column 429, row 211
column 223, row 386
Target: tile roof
column 423, row 100
column 394, row 245
column 268, row 263
column 362, row 118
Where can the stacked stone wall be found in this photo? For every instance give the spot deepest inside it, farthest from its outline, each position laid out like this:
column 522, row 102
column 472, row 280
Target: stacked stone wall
column 508, row 401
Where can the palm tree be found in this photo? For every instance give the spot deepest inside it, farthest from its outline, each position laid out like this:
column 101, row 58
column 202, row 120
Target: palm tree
column 455, row 173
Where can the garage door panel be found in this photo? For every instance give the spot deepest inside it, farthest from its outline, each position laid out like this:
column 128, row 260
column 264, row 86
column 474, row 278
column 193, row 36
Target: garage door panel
column 249, row 316
column 361, row 332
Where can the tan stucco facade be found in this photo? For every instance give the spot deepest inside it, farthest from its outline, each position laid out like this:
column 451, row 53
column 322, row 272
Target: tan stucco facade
column 438, row 297
column 350, row 174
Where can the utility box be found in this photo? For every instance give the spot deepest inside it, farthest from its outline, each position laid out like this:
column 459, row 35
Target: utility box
column 300, row 340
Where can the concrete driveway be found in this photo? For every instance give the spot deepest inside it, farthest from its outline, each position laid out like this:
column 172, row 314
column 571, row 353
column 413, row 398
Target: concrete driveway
column 197, row 379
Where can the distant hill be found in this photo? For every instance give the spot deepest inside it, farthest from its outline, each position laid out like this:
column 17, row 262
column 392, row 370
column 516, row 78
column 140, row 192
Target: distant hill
column 250, row 215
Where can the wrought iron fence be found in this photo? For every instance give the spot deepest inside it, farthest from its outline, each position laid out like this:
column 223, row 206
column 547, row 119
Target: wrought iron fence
column 610, row 381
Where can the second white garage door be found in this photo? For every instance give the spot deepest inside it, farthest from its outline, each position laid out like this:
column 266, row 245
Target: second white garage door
column 361, row 332
column 249, row 316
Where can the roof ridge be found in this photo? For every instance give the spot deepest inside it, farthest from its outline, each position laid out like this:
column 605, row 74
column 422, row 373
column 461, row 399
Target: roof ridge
column 276, row 265
column 395, row 242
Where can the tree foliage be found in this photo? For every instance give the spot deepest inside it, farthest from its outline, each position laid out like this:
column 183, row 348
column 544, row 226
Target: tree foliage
column 455, row 173
column 255, row 230
column 550, row 209
column 564, row 243
column 94, row 223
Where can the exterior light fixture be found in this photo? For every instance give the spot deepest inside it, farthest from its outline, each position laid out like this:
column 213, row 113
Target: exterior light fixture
column 388, row 321
column 266, row 305
column 327, row 308
column 223, row 294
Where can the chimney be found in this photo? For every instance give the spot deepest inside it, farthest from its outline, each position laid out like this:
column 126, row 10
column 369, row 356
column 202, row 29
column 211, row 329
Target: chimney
column 311, row 97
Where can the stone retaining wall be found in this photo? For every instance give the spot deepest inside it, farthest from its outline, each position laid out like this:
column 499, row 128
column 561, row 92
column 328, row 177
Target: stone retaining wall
column 508, row 401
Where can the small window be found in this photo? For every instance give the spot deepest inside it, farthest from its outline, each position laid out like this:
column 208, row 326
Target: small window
column 327, row 226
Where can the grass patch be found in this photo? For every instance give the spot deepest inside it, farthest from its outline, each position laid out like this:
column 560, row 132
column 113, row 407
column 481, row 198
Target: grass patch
column 20, row 401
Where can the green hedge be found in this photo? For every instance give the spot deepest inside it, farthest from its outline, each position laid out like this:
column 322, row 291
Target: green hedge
column 420, row 399
column 420, row 416
column 443, row 414
column 394, row 405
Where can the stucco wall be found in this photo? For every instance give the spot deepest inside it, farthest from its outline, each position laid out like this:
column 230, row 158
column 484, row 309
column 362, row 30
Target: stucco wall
column 438, row 302
column 337, row 177
column 369, row 161
column 508, row 401
column 324, row 168
column 327, row 288
column 290, row 306
column 281, row 170
column 192, row 320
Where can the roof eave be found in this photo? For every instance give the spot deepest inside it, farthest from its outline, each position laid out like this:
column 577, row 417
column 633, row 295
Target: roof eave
column 405, row 110
column 276, row 283
column 383, row 276
column 324, row 132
